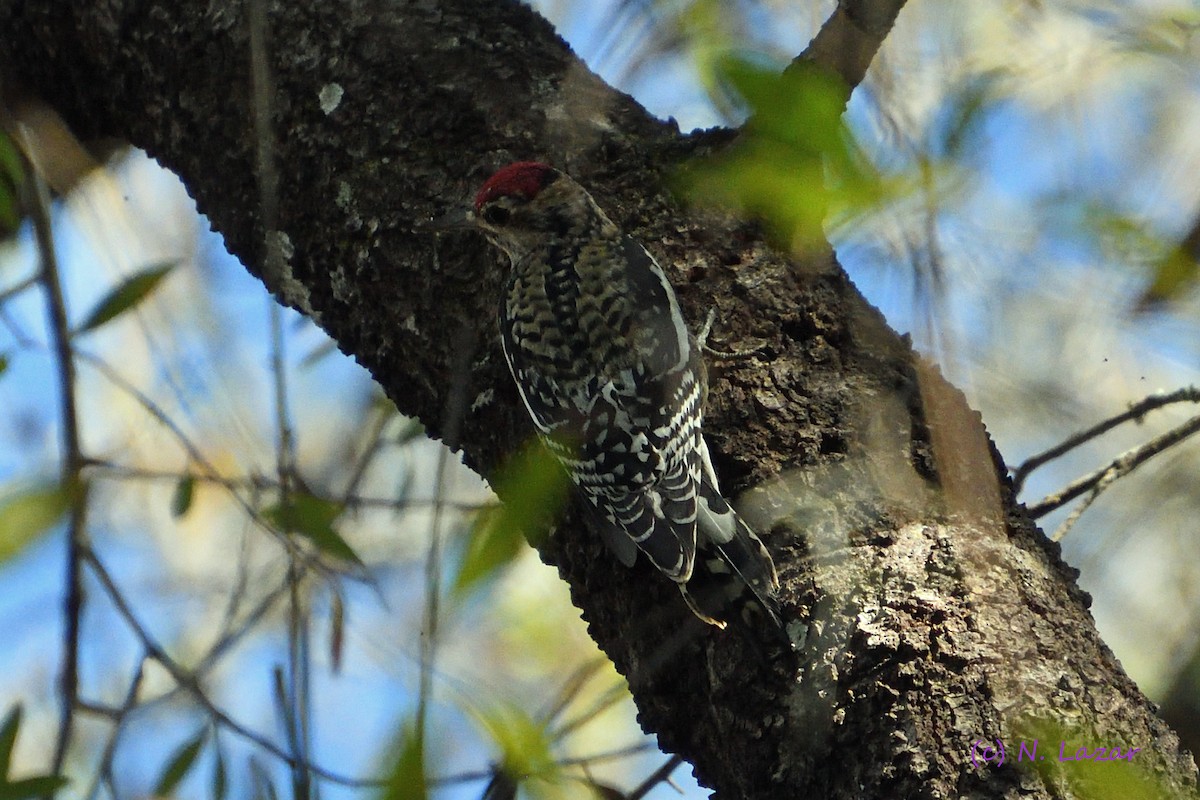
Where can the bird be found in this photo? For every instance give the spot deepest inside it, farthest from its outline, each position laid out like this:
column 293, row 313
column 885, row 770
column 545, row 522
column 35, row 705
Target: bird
column 615, row 384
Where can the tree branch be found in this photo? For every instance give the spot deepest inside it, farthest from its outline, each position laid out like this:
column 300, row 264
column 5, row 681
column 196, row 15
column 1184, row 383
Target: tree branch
column 929, row 612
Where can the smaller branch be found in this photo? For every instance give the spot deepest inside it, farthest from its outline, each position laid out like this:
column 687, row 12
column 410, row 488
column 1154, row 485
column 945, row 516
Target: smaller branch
column 576, row 761
column 18, row 288
column 659, row 775
column 1189, row 394
column 848, row 41
column 573, row 685
column 606, row 701
column 193, row 452
column 374, row 439
column 104, row 769
column 72, row 456
column 455, row 409
column 259, row 483
column 188, row 681
column 1120, row 467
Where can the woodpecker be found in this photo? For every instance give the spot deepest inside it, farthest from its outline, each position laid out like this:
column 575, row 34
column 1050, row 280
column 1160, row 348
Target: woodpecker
column 615, row 384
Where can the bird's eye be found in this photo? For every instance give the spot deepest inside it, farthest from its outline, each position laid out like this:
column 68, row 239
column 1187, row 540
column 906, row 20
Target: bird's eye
column 496, row 215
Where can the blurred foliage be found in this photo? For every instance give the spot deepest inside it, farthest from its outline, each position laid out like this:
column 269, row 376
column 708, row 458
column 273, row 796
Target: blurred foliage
column 523, row 744
column 312, row 518
column 535, row 489
column 28, row 513
column 408, row 778
column 24, row 788
column 180, row 763
column 181, row 500
column 795, row 162
column 1087, row 764
column 12, row 175
column 1007, row 160
column 124, row 297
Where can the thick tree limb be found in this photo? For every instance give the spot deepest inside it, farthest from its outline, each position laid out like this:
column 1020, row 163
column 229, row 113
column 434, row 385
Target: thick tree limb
column 930, row 613
column 850, row 38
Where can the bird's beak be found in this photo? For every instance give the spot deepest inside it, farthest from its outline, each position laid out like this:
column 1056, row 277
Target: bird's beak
column 457, row 219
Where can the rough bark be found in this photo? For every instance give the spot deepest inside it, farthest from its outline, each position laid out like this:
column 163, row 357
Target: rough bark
column 929, row 611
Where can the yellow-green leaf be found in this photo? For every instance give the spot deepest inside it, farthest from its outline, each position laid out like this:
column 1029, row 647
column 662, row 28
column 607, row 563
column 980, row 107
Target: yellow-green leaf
column 27, row 788
column 26, row 515
column 794, row 163
column 179, row 765
column 125, row 296
column 313, row 518
column 1174, row 275
column 534, row 489
column 30, row 788
column 8, row 738
column 523, row 742
column 407, row 780
column 1092, row 774
column 181, row 500
column 220, row 781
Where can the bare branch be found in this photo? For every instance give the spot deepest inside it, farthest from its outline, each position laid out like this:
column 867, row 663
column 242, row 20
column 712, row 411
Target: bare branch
column 72, row 456
column 1099, row 480
column 188, row 681
column 850, row 38
column 1136, row 411
column 659, row 775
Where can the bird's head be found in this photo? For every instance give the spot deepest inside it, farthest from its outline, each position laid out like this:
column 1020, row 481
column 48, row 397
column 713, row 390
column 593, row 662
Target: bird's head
column 527, row 204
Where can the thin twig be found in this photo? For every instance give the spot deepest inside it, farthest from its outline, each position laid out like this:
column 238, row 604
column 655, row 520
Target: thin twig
column 464, row 348
column 1122, row 465
column 72, row 456
column 110, row 747
column 374, row 439
column 1136, row 411
column 19, row 287
column 571, row 688
column 576, row 761
column 188, row 681
column 193, row 451
column 659, row 775
column 606, row 701
column 260, row 483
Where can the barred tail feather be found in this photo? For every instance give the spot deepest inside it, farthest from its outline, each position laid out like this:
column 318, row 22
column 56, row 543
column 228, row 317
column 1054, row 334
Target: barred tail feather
column 735, row 563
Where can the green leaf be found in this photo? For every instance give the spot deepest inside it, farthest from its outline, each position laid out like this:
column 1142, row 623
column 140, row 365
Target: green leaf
column 523, row 742
column 264, row 787
column 1092, row 775
column 40, row 786
column 127, row 295
column 795, row 162
column 8, row 738
column 179, row 765
column 10, row 216
column 337, row 631
column 3, row 363
column 181, row 500
column 27, row 515
column 533, row 487
column 220, row 781
column 318, row 353
column 313, row 517
column 1174, row 275
column 10, row 161
column 29, row 788
column 407, row 780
